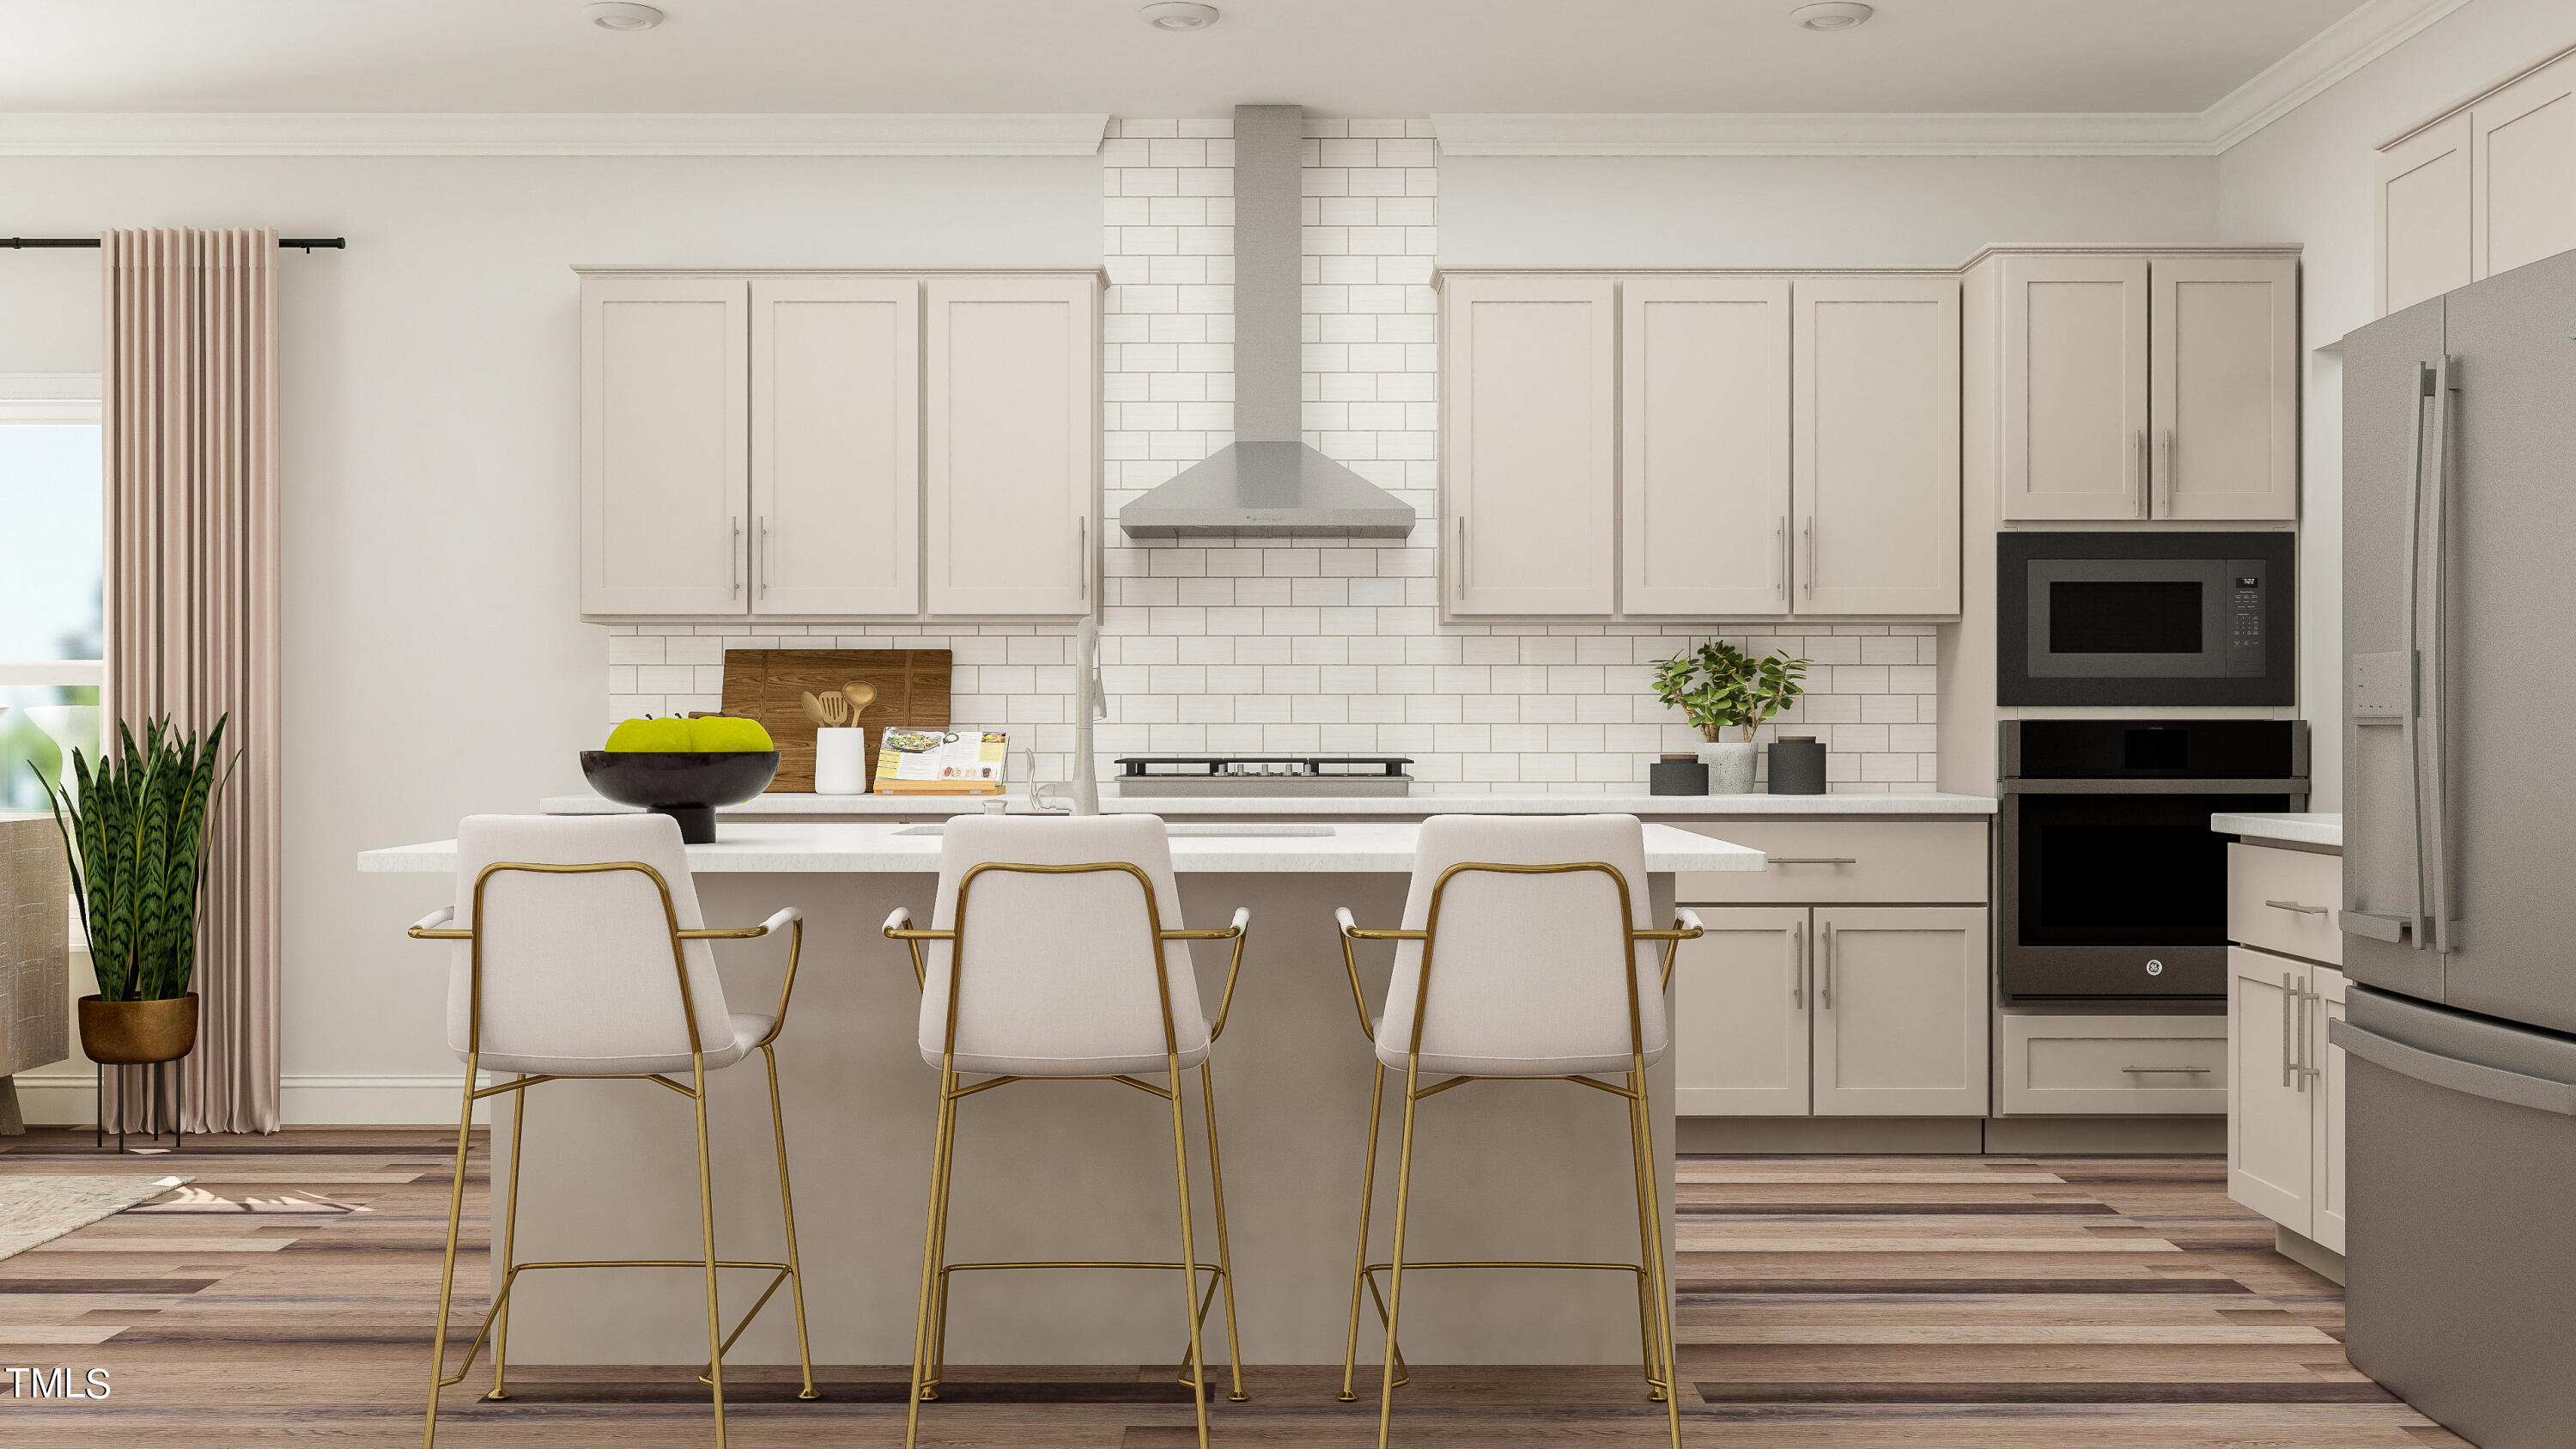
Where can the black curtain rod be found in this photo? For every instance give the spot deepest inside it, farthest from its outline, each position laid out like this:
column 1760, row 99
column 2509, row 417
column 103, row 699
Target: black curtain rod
column 308, row 243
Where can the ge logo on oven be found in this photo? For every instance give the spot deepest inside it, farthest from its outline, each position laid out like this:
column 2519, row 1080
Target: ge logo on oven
column 2155, row 968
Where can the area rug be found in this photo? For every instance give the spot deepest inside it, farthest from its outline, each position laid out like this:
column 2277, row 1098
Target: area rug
column 37, row 1209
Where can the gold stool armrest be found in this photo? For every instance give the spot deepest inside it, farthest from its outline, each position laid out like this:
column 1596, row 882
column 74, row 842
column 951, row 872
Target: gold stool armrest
column 1686, row 927
column 1235, row 933
column 1351, row 931
column 899, row 927
column 433, row 927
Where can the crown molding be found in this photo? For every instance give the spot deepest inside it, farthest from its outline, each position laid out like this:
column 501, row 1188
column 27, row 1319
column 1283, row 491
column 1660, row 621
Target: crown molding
column 2329, row 56
column 63, row 133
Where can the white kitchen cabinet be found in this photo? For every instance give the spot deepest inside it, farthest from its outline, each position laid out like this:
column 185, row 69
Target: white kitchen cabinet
column 1741, row 1014
column 835, row 445
column 2522, row 169
column 1902, row 1014
column 2421, row 216
column 2074, row 356
column 1704, row 466
column 2271, row 1119
column 1531, row 427
column 1012, row 507
column 664, row 418
column 2223, row 394
column 1874, row 445
column 2327, row 1005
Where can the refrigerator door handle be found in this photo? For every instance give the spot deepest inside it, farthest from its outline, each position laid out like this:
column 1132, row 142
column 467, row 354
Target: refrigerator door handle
column 2543, row 1094
column 2410, row 731
column 2436, row 690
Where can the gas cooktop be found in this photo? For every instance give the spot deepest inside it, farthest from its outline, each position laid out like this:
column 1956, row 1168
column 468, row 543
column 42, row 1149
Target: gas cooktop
column 1198, row 775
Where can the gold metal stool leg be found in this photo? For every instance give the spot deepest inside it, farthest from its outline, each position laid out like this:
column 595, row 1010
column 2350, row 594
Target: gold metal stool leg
column 1189, row 1255
column 1659, row 1330
column 1224, row 1250
column 707, row 1229
column 447, row 1268
column 932, row 1234
column 787, row 1210
column 1395, row 1259
column 509, row 1243
column 1359, row 1265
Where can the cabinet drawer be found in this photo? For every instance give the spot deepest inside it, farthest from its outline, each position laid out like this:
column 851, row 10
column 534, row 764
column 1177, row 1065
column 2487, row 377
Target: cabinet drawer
column 2285, row 901
column 2121, row 1065
column 1832, row 862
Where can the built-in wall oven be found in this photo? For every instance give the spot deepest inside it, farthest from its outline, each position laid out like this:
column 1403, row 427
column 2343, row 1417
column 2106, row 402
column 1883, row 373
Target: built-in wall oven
column 2145, row 618
column 2112, row 883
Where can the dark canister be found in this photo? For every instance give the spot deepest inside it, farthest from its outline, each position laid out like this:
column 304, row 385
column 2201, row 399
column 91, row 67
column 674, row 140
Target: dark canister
column 1677, row 775
column 1797, row 765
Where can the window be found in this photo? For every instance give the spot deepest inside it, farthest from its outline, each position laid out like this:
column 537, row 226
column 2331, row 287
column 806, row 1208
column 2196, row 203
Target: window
column 51, row 551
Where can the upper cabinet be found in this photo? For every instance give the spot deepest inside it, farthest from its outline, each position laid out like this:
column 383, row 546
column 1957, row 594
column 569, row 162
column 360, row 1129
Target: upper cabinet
column 840, row 445
column 1529, row 430
column 2480, row 190
column 1700, row 446
column 1874, row 445
column 664, row 452
column 2148, row 386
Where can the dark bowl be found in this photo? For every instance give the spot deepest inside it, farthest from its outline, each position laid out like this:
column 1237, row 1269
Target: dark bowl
column 686, row 785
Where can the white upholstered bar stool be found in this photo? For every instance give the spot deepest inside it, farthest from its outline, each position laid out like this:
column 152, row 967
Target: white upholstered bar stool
column 1049, row 958
column 583, row 955
column 1520, row 959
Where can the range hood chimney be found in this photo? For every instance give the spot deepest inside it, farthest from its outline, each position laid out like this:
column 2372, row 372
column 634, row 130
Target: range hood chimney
column 1268, row 483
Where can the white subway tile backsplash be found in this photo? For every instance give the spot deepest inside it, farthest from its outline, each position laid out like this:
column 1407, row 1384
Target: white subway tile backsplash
column 1243, row 646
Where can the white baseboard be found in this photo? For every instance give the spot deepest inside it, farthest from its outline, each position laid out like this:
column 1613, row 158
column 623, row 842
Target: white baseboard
column 58, row 1098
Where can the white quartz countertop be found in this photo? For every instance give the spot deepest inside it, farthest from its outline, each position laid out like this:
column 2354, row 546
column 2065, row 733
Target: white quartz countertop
column 869, row 848
column 794, row 805
column 2301, row 829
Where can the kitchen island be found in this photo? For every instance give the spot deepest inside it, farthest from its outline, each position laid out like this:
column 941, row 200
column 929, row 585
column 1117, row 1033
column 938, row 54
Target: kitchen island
column 1078, row 1170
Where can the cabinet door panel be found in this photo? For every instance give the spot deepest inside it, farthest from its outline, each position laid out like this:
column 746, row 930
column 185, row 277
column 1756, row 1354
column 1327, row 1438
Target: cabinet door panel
column 835, row 445
column 2075, row 387
column 1740, row 1045
column 1012, row 502
column 664, row 413
column 1874, row 445
column 2224, row 404
column 1530, row 430
column 1704, row 488
column 1902, row 1011
column 2522, row 191
column 2270, row 1130
column 2326, row 1223
column 2421, row 215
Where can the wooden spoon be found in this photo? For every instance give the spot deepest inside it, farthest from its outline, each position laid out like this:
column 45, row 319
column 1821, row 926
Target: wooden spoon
column 860, row 696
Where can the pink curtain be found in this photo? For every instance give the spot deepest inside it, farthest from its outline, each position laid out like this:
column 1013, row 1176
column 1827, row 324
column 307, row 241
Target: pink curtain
column 189, row 379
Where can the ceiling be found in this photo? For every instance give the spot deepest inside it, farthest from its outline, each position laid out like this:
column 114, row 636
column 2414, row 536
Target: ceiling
column 1336, row 57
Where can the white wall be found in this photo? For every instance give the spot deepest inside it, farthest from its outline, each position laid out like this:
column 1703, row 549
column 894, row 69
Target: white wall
column 435, row 661
column 2307, row 178
column 1810, row 211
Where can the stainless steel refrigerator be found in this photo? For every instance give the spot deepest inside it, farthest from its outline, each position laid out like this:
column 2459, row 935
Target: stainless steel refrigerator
column 2459, row 914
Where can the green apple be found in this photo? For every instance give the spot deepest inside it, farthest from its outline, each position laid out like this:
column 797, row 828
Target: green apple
column 659, row 736
column 727, row 734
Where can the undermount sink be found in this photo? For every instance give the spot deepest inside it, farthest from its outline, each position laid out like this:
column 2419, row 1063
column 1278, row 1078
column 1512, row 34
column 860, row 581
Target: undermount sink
column 1225, row 830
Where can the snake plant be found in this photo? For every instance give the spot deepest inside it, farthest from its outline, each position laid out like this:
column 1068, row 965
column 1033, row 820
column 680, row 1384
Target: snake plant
column 136, row 833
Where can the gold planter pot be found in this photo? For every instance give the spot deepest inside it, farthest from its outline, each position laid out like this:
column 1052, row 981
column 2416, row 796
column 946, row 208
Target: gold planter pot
column 127, row 1033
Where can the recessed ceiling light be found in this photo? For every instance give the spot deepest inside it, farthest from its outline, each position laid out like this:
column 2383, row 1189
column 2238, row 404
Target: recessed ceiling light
column 1832, row 14
column 1179, row 15
column 619, row 15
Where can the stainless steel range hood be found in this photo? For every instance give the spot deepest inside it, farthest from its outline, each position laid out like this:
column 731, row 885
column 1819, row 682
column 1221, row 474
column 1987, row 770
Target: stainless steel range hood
column 1267, row 484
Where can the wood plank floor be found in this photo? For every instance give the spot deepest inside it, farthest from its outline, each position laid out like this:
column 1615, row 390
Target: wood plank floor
column 1935, row 1303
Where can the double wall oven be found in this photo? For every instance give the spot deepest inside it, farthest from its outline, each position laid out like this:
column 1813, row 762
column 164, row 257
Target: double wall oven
column 2112, row 883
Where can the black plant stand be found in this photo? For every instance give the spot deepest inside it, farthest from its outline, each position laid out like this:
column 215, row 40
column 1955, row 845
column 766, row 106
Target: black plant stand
column 161, row 1074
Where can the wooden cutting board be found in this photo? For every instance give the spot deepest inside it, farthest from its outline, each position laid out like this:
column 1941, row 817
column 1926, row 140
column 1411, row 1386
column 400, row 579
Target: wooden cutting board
column 769, row 685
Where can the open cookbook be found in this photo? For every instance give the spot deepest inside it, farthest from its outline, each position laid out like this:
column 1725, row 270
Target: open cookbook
column 914, row 761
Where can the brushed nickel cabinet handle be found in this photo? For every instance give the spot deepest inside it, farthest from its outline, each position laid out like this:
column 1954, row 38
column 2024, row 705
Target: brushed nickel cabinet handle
column 2138, row 470
column 1462, row 558
column 2289, row 1005
column 733, row 566
column 768, row 561
column 1810, row 530
column 1798, row 965
column 2164, row 495
column 1814, row 860
column 2305, row 996
column 2294, row 906
column 2186, row 1071
column 1780, row 558
column 1825, row 969
column 1082, row 557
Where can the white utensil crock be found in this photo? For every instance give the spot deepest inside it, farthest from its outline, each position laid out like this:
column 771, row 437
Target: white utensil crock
column 841, row 761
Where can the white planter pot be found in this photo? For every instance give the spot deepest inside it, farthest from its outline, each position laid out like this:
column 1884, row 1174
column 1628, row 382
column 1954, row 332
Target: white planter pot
column 841, row 761
column 1730, row 767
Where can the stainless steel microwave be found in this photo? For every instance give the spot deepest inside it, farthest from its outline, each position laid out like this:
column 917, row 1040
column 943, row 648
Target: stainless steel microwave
column 2146, row 618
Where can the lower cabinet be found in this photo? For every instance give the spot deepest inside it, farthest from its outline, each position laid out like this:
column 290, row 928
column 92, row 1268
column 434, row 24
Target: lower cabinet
column 2285, row 1111
column 1842, row 1011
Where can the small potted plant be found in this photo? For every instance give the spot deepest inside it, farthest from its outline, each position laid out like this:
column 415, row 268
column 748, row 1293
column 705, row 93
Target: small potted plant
column 1717, row 685
column 136, row 833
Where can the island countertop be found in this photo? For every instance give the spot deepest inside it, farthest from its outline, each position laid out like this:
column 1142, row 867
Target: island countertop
column 758, row 847
column 799, row 804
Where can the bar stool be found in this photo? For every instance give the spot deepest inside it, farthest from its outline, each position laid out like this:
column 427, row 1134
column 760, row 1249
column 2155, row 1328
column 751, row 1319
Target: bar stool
column 1048, row 960
column 1543, row 977
column 585, row 957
